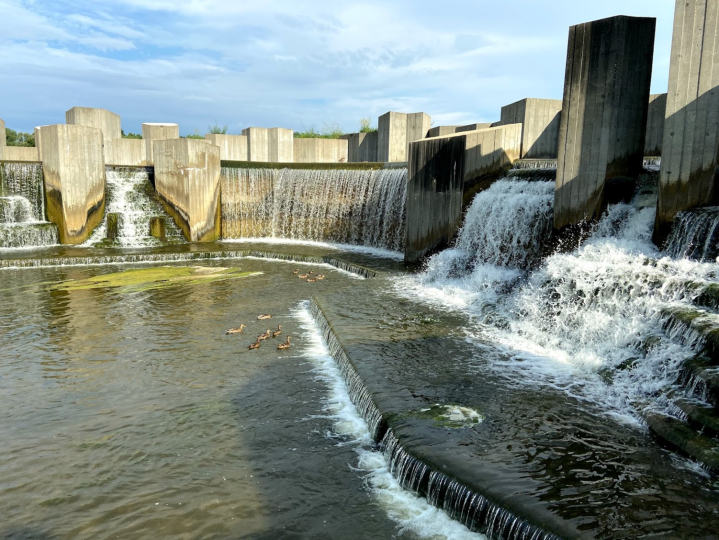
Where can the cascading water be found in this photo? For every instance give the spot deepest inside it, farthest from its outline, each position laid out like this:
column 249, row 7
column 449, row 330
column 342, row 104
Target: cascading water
column 695, row 235
column 361, row 207
column 129, row 195
column 593, row 321
column 22, row 208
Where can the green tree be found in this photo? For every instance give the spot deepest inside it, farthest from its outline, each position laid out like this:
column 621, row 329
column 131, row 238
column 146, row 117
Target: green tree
column 366, row 126
column 130, row 135
column 217, row 130
column 18, row 138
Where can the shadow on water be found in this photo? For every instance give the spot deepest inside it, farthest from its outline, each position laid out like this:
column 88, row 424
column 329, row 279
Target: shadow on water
column 26, row 533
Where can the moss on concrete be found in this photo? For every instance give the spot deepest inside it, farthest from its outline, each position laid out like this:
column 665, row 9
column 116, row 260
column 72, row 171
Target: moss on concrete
column 450, row 416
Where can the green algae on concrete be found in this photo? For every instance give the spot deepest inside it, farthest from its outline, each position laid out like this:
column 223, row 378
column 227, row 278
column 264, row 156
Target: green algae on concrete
column 451, row 416
column 160, row 277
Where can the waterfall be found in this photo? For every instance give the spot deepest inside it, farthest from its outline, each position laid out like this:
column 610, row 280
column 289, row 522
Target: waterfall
column 131, row 196
column 361, row 207
column 594, row 321
column 695, row 235
column 22, row 208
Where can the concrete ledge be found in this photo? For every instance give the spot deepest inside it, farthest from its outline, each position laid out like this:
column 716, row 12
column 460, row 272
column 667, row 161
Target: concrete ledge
column 126, row 153
column 20, row 153
column 232, row 147
column 307, row 166
column 321, row 150
column 74, row 171
column 187, row 178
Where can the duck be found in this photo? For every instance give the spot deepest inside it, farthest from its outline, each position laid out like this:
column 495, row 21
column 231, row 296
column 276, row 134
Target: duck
column 321, row 277
column 296, row 271
column 237, row 330
column 304, row 276
column 310, row 272
column 311, row 280
column 285, row 345
column 264, row 336
column 255, row 345
column 278, row 331
column 264, row 317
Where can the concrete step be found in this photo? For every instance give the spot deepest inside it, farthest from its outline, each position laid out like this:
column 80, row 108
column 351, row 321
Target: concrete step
column 700, row 416
column 679, row 436
column 697, row 328
column 700, row 376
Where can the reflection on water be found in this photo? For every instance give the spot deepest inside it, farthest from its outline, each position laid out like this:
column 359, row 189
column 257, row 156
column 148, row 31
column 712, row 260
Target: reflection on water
column 132, row 415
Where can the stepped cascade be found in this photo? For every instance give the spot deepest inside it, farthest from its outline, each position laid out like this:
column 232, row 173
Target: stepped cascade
column 361, row 207
column 22, row 208
column 133, row 203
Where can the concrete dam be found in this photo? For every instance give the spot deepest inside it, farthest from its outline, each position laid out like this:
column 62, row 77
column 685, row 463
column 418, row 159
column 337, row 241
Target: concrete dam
column 501, row 330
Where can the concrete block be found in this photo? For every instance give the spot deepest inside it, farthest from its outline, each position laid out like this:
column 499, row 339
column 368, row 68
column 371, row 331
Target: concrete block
column 104, row 120
column 258, row 144
column 127, row 153
column 435, row 189
column 232, row 147
column 604, row 116
column 441, row 131
column 280, row 145
column 362, row 147
column 74, row 170
column 187, row 178
column 321, row 150
column 158, row 228
column 655, row 125
column 418, row 126
column 540, row 125
column 690, row 147
column 474, row 127
column 38, row 139
column 157, row 132
column 396, row 131
column 3, row 140
column 20, row 153
column 113, row 225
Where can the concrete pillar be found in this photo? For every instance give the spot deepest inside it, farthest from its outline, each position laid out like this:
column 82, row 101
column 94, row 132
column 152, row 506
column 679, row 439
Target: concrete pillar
column 435, row 189
column 441, row 131
column 157, row 228
column 418, row 126
column 232, row 147
column 257, row 144
column 604, row 115
column 690, row 148
column 104, row 120
column 540, row 125
column 655, row 125
column 3, row 140
column 157, row 132
column 474, row 127
column 187, row 178
column 74, row 170
column 280, row 147
column 127, row 153
column 396, row 131
column 362, row 147
column 38, row 139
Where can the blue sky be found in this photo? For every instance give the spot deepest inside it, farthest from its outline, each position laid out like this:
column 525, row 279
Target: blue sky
column 292, row 63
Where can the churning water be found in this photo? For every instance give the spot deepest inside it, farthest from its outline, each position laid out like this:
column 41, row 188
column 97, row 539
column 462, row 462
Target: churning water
column 591, row 321
column 360, row 207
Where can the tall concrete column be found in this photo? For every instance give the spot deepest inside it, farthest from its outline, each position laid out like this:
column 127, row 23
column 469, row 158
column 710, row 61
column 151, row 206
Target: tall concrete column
column 361, row 147
column 655, row 125
column 187, row 178
column 540, row 119
column 690, row 148
column 232, row 147
column 3, row 139
column 157, row 132
column 257, row 144
column 280, row 147
column 396, row 131
column 74, row 170
column 107, row 122
column 604, row 116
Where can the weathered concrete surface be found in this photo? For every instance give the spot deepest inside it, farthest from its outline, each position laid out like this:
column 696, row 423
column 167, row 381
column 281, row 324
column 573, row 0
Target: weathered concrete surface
column 3, row 140
column 362, row 147
column 74, row 170
column 127, row 153
column 281, row 148
column 258, row 144
column 540, row 125
column 321, row 150
column 232, row 147
column 441, row 131
column 604, row 116
column 655, row 125
column 435, row 189
column 157, row 132
column 474, row 127
column 690, row 149
column 187, row 178
column 107, row 122
column 157, row 228
column 20, row 153
column 396, row 131
column 38, row 139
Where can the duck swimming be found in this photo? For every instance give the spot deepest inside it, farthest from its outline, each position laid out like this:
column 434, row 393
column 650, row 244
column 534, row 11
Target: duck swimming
column 264, row 317
column 304, row 276
column 255, row 345
column 278, row 331
column 237, row 330
column 264, row 336
column 285, row 345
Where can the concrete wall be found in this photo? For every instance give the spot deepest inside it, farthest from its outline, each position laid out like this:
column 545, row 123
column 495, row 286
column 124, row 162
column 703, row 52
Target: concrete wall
column 281, row 148
column 157, row 132
column 38, row 139
column 690, row 148
column 441, row 131
column 540, row 120
column 396, row 131
column 20, row 153
column 655, row 125
column 362, row 147
column 321, row 150
column 604, row 116
column 232, row 147
column 187, row 178
column 435, row 188
column 74, row 170
column 474, row 127
column 107, row 122
column 257, row 144
column 2, row 138
column 127, row 153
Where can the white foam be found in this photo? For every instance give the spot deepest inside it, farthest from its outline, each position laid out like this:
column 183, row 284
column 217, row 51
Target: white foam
column 410, row 512
column 375, row 252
